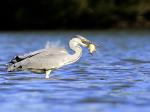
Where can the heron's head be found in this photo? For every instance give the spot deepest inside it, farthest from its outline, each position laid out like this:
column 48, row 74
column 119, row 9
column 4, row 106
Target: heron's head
column 85, row 43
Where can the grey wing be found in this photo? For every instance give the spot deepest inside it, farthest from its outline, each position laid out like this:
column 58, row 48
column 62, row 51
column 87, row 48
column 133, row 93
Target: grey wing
column 51, row 61
column 19, row 58
column 28, row 55
column 41, row 59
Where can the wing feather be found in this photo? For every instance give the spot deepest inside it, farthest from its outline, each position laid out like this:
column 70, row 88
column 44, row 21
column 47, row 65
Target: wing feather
column 41, row 59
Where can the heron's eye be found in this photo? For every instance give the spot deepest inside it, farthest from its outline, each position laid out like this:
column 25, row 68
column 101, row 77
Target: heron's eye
column 86, row 42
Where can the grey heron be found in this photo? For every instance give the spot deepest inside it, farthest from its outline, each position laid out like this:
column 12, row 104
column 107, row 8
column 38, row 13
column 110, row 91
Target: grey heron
column 49, row 59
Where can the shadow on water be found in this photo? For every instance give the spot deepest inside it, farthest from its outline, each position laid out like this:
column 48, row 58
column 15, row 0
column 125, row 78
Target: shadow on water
column 135, row 61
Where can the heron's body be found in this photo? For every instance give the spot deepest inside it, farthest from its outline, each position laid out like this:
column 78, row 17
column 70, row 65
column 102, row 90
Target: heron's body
column 48, row 59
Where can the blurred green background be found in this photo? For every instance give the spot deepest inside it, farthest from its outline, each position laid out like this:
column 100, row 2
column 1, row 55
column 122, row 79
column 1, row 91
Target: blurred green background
column 74, row 14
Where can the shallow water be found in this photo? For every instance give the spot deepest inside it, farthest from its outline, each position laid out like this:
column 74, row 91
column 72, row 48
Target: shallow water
column 116, row 78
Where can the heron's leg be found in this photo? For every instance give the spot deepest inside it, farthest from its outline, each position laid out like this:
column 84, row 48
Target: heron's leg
column 47, row 74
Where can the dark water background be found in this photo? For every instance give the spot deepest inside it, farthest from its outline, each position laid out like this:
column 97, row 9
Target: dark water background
column 116, row 78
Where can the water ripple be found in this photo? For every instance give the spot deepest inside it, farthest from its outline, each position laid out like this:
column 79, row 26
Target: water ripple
column 115, row 78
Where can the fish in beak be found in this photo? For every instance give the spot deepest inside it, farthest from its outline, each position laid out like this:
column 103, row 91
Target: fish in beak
column 92, row 48
column 88, row 44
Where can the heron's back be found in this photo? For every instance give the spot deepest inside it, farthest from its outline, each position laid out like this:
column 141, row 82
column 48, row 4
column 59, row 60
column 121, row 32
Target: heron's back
column 49, row 58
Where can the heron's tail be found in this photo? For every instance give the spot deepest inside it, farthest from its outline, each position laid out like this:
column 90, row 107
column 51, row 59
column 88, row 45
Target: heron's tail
column 14, row 64
column 14, row 67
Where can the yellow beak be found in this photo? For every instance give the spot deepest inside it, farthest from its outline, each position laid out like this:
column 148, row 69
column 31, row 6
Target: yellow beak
column 92, row 48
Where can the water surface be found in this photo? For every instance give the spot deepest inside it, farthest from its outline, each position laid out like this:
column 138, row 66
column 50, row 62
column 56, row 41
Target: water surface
column 116, row 78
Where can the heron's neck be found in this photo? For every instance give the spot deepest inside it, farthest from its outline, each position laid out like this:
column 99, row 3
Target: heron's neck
column 77, row 52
